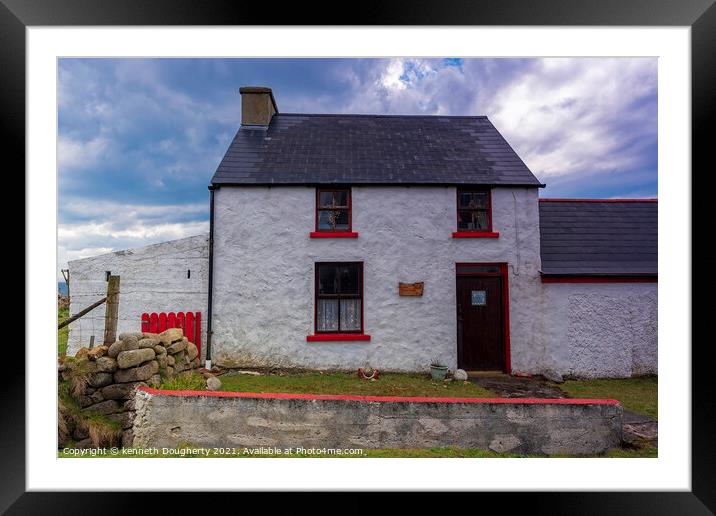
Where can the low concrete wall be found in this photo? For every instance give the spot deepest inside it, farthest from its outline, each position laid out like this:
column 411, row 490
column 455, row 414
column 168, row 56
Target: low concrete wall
column 231, row 419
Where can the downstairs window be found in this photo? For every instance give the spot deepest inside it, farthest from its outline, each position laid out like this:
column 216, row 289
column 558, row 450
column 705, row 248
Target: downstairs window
column 339, row 297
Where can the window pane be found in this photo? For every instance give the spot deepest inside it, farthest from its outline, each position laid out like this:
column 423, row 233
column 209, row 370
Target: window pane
column 350, row 314
column 327, row 315
column 472, row 220
column 348, row 279
column 333, row 219
column 333, row 199
column 325, row 199
column 340, row 199
column 472, row 200
column 327, row 279
column 339, row 278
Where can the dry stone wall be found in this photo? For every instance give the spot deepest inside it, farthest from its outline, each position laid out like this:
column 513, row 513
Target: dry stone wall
column 102, row 382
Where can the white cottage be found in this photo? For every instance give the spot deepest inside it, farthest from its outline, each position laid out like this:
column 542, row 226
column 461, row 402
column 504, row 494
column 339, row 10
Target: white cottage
column 343, row 241
column 340, row 241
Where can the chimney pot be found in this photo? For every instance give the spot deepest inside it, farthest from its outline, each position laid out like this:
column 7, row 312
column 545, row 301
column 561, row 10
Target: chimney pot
column 257, row 106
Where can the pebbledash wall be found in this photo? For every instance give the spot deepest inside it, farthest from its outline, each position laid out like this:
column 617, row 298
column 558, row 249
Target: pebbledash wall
column 263, row 305
column 597, row 330
column 152, row 279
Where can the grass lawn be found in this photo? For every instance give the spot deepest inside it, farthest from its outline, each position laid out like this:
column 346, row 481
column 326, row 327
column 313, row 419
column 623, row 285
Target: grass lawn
column 62, row 314
column 349, row 383
column 639, row 395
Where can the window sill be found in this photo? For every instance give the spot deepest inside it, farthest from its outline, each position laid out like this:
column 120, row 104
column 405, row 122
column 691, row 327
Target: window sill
column 331, row 234
column 475, row 234
column 328, row 337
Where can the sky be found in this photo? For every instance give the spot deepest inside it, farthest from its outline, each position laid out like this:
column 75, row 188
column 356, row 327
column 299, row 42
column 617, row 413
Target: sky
column 139, row 139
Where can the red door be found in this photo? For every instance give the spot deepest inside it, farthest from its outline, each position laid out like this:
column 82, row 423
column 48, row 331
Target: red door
column 480, row 339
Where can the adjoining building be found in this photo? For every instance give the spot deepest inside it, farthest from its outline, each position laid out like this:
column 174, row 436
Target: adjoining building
column 160, row 278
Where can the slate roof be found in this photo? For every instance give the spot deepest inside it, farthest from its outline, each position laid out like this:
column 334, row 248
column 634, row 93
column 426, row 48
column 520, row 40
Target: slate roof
column 598, row 238
column 299, row 149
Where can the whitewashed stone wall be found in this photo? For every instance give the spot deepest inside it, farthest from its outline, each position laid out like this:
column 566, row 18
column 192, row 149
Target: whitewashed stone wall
column 264, row 275
column 152, row 279
column 595, row 330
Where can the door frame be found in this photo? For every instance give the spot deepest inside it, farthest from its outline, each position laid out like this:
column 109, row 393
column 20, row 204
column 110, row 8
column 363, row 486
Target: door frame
column 503, row 274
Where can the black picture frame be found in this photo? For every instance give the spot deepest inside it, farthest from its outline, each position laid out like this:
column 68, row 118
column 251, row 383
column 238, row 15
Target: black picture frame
column 700, row 15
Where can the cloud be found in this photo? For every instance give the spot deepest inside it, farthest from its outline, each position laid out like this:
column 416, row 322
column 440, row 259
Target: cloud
column 139, row 139
column 563, row 116
column 75, row 154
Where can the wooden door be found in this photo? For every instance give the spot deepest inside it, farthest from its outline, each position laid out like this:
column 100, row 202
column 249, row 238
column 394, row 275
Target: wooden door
column 480, row 323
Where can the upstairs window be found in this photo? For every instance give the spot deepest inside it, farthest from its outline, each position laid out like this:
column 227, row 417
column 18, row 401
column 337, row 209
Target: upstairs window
column 474, row 210
column 339, row 297
column 333, row 209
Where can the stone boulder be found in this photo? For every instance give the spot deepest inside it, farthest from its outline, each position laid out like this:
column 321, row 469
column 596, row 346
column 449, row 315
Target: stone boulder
column 127, row 344
column 553, row 376
column 176, row 347
column 106, row 365
column 120, row 391
column 213, row 383
column 100, row 379
column 137, row 374
column 155, row 381
column 171, row 335
column 106, row 407
column 191, row 351
column 136, row 335
column 146, row 343
column 460, row 375
column 127, row 359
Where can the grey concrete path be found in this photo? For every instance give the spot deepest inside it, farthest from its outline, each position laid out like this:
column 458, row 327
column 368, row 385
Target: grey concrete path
column 638, row 430
column 507, row 386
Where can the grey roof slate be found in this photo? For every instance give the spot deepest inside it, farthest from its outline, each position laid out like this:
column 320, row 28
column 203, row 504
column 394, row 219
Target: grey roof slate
column 372, row 149
column 598, row 238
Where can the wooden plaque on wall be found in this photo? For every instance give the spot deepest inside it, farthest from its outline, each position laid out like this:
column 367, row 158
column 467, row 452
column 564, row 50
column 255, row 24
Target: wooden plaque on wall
column 410, row 289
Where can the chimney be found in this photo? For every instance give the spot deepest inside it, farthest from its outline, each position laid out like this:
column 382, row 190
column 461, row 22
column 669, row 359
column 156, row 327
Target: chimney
column 257, row 106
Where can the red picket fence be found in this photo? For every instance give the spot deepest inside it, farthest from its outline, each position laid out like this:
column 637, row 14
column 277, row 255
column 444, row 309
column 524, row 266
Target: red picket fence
column 189, row 322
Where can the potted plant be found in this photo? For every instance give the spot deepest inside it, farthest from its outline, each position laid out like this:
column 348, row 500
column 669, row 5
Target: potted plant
column 438, row 370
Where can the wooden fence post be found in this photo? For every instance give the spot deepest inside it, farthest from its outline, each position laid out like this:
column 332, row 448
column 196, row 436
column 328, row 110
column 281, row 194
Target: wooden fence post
column 111, row 310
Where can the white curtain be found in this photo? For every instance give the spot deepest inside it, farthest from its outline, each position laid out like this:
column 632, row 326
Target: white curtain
column 350, row 314
column 327, row 315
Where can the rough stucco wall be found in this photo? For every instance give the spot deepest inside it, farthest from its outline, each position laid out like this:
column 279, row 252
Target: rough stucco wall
column 264, row 275
column 168, row 421
column 597, row 330
column 152, row 279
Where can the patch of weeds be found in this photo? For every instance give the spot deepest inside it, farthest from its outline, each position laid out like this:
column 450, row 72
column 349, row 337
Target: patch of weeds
column 63, row 313
column 184, row 382
column 102, row 431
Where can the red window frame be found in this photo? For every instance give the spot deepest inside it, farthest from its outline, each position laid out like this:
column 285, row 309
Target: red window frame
column 471, row 233
column 317, row 332
column 349, row 209
column 487, row 210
